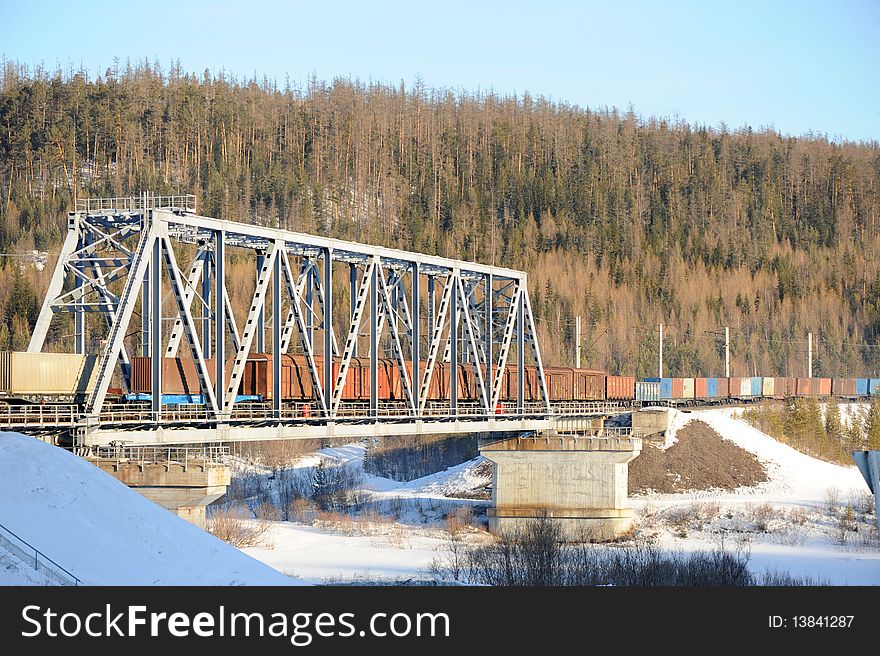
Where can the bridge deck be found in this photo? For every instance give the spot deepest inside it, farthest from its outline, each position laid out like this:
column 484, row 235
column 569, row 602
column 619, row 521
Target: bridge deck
column 138, row 424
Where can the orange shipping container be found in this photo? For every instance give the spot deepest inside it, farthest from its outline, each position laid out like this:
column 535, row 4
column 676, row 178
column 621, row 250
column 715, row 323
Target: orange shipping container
column 620, row 387
column 677, row 388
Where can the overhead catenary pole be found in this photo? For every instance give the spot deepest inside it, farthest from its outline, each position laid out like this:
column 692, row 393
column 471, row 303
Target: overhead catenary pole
column 809, row 355
column 727, row 352
column 660, row 354
column 577, row 342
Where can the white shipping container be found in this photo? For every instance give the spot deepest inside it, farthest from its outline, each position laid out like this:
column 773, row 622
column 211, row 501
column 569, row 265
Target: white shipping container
column 687, row 386
column 46, row 374
column 646, row 391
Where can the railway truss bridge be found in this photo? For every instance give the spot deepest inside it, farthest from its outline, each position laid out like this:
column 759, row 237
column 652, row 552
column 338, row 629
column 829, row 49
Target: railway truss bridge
column 148, row 276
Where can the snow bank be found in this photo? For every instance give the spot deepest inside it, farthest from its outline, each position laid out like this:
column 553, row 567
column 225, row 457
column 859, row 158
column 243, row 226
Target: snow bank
column 102, row 531
column 793, row 475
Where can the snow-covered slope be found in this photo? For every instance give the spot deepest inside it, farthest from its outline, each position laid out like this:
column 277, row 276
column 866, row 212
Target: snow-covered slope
column 102, row 531
column 793, row 475
column 803, row 537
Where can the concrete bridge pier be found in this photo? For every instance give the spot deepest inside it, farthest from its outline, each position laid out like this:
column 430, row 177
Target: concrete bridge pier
column 578, row 482
column 184, row 487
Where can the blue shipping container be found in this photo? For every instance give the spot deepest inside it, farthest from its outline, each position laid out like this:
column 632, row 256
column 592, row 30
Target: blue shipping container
column 862, row 386
column 712, row 388
column 665, row 388
column 757, row 386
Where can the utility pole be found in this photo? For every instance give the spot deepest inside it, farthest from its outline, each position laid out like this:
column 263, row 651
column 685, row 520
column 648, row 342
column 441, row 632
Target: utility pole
column 660, row 374
column 727, row 351
column 577, row 342
column 809, row 355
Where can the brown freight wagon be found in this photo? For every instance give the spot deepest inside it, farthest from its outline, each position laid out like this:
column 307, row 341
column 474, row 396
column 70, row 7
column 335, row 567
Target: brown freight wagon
column 824, row 386
column 620, row 388
column 296, row 382
column 560, row 383
column 734, row 384
column 723, row 388
column 589, row 385
column 178, row 375
column 808, row 387
column 530, row 384
column 844, row 387
column 783, row 387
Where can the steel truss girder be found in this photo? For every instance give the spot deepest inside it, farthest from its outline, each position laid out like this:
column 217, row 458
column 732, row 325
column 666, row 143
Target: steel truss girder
column 481, row 307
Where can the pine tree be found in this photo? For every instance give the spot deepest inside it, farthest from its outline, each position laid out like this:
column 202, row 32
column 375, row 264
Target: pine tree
column 833, row 425
column 817, row 435
column 873, row 427
column 325, row 484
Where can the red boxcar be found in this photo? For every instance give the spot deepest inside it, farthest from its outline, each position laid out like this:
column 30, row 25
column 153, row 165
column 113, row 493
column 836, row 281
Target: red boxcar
column 809, row 386
column 530, row 384
column 701, row 388
column 178, row 375
column 678, row 388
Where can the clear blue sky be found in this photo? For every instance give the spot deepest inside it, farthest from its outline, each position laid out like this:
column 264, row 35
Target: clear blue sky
column 798, row 66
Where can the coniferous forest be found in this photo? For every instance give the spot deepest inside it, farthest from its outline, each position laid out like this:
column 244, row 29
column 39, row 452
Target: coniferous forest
column 624, row 220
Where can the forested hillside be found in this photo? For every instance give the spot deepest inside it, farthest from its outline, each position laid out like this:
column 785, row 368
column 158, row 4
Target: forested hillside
column 623, row 220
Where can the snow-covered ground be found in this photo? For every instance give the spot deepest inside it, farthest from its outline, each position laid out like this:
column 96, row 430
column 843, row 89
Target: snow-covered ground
column 398, row 547
column 103, row 532
column 784, row 523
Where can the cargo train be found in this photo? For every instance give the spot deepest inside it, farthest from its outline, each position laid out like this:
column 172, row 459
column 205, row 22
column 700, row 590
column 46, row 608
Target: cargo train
column 58, row 377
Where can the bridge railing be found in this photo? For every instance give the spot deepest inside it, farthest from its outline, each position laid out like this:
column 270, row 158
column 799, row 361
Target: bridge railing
column 39, row 415
column 41, row 563
column 67, row 415
column 186, row 202
column 162, row 454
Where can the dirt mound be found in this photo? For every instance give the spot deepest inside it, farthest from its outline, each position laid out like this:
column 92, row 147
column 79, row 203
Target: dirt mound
column 700, row 460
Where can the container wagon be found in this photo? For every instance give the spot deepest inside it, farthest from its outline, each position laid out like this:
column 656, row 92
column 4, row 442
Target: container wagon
column 55, row 376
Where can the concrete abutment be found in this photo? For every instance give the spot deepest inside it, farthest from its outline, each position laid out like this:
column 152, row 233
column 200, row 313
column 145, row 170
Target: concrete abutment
column 578, row 482
column 184, row 488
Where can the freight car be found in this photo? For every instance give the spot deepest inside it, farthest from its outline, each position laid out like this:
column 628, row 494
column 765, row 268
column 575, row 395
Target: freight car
column 67, row 378
column 563, row 383
column 46, row 377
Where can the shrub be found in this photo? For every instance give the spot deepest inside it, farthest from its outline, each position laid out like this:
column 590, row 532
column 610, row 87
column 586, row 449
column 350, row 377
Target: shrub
column 534, row 555
column 232, row 526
